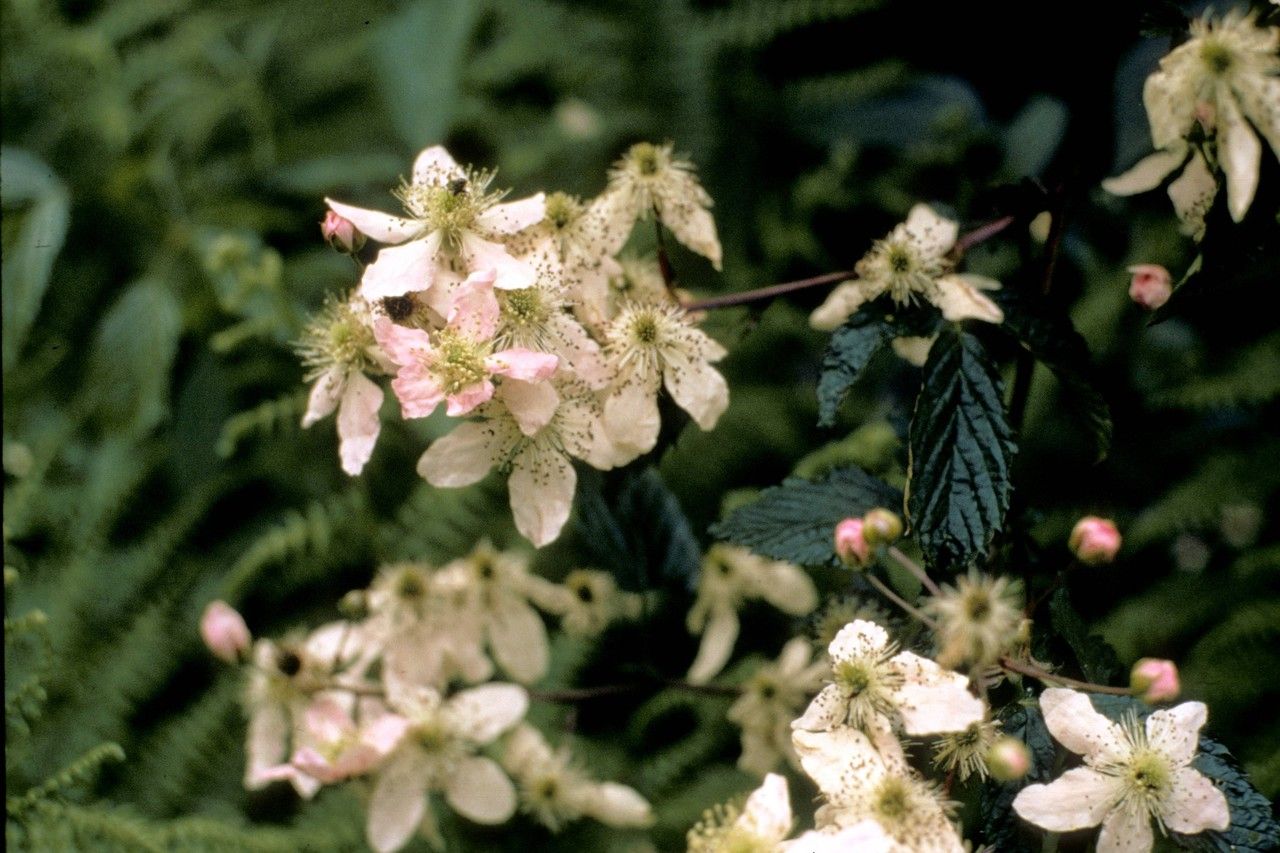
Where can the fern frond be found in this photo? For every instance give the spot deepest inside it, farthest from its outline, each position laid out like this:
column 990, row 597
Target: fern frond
column 78, row 772
column 271, row 417
column 1252, row 380
column 757, row 22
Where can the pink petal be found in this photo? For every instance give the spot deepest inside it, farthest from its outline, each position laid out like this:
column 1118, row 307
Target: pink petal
column 532, row 404
column 418, row 391
column 468, row 398
column 475, row 307
column 326, row 720
column 385, row 732
column 382, row 227
column 402, row 345
column 512, row 274
column 401, row 269
column 523, row 364
column 358, row 423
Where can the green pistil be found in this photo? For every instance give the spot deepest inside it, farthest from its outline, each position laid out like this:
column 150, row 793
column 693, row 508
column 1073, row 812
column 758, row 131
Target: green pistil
column 853, row 676
column 524, row 307
column 645, row 156
column 1216, row 56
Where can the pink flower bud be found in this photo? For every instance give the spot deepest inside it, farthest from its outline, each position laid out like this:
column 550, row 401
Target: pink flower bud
column 1155, row 680
column 224, row 632
column 881, row 526
column 1008, row 759
column 1151, row 285
column 341, row 233
column 1207, row 114
column 851, row 544
column 1094, row 540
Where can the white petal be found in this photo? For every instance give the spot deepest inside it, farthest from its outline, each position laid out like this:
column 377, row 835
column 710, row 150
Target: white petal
column 376, row 225
column 933, row 233
column 789, row 588
column 1240, row 154
column 1147, row 173
column 695, row 227
column 959, row 300
column 464, row 456
column 541, row 488
column 358, row 423
column 767, row 813
column 1259, row 97
column 840, row 305
column 913, row 350
column 1077, row 799
column 398, row 801
column 1192, row 194
column 631, row 419
column 717, row 644
column 616, row 212
column 1175, row 731
column 266, row 743
column 859, row 638
column 401, row 269
column 481, row 792
column 617, row 805
column 794, row 655
column 865, row 836
column 436, row 166
column 518, row 639
column 482, row 256
column 1075, row 724
column 325, row 395
column 532, row 404
column 1195, row 804
column 837, row 759
column 933, row 700
column 1126, row 830
column 526, row 750
column 514, row 215
column 697, row 387
column 482, row 713
column 827, row 710
column 1170, row 98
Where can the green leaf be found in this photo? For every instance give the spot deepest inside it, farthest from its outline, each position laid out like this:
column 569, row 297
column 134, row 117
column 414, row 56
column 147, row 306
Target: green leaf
column 961, row 450
column 796, row 521
column 28, row 260
column 851, row 348
column 418, row 54
column 1097, row 659
column 1000, row 826
column 630, row 523
column 1049, row 336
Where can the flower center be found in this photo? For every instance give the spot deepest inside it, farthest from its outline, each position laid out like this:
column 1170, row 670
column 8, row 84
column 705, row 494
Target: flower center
column 337, row 337
column 645, row 157
column 562, row 209
column 892, row 801
column 1149, row 774
column 1217, row 56
column 900, row 258
column 524, row 307
column 854, row 676
column 977, row 605
column 584, row 593
column 432, row 737
column 644, row 328
column 410, row 585
column 459, row 361
column 289, row 663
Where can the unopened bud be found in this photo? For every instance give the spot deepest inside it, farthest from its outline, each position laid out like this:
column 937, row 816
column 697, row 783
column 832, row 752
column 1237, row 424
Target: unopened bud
column 341, row 233
column 1155, row 680
column 1008, row 759
column 881, row 527
column 1151, row 285
column 851, row 543
column 1094, row 540
column 354, row 605
column 224, row 632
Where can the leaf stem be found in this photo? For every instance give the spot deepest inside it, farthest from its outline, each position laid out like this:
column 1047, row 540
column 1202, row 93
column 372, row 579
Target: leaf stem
column 1024, row 668
column 915, row 569
column 888, row 593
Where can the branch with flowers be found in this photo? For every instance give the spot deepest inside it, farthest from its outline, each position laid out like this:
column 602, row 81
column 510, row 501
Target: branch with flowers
column 556, row 353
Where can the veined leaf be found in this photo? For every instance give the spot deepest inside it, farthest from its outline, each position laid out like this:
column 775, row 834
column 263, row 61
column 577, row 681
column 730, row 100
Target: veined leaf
column 850, row 350
column 961, row 450
column 796, row 521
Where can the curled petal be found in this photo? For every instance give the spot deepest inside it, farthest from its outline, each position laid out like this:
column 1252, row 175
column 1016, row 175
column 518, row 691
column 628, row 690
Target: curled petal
column 325, row 395
column 1192, row 194
column 840, row 304
column 511, row 273
column 1170, row 99
column 376, row 225
column 960, row 300
column 466, row 400
column 718, row 637
column 695, row 227
column 1147, row 173
column 1240, row 154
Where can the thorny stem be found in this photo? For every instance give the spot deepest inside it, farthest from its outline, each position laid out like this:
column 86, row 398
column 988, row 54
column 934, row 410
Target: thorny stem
column 915, row 612
column 963, row 244
column 1024, row 668
column 915, row 569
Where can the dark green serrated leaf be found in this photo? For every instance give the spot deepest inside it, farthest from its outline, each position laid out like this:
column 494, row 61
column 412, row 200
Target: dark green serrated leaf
column 850, row 350
column 1097, row 660
column 1049, row 336
column 796, row 520
column 630, row 523
column 1000, row 826
column 961, row 450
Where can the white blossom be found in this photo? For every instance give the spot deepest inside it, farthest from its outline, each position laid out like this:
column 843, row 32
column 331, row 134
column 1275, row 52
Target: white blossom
column 762, row 823
column 1132, row 774
column 771, row 698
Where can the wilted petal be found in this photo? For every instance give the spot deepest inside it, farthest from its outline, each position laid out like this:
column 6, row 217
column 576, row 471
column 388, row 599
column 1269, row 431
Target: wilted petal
column 398, row 801
column 960, row 300
column 1126, row 830
column 1147, row 173
column 697, row 387
column 695, row 227
column 1075, row 724
column 1195, row 804
column 358, row 423
column 1077, row 799
column 325, row 394
column 514, row 215
column 1240, row 154
column 541, row 488
column 481, row 792
column 718, row 637
column 462, row 457
column 1175, row 731
column 401, row 269
column 376, row 225
column 1259, row 98
column 840, row 304
column 518, row 639
column 767, row 813
column 1192, row 194
column 482, row 713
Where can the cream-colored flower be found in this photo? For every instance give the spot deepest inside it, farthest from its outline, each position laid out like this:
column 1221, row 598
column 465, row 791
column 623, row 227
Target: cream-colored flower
column 874, row 684
column 651, row 345
column 979, row 619
column 588, row 600
column 730, row 575
column 762, row 823
column 965, row 753
column 912, row 263
column 438, row 637
column 650, row 180
column 1133, row 773
column 1223, row 80
column 771, row 698
column 439, row 753
column 859, row 784
column 537, row 318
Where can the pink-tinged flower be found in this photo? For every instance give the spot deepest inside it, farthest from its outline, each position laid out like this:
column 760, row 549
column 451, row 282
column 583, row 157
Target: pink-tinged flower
column 1155, row 680
column 1133, row 773
column 337, row 748
column 1095, row 540
column 452, row 216
column 456, row 364
column 224, row 632
column 341, row 233
column 851, row 543
column 1151, row 285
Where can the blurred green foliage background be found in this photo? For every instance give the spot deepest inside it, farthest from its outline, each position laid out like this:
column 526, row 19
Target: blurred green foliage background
column 164, row 166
